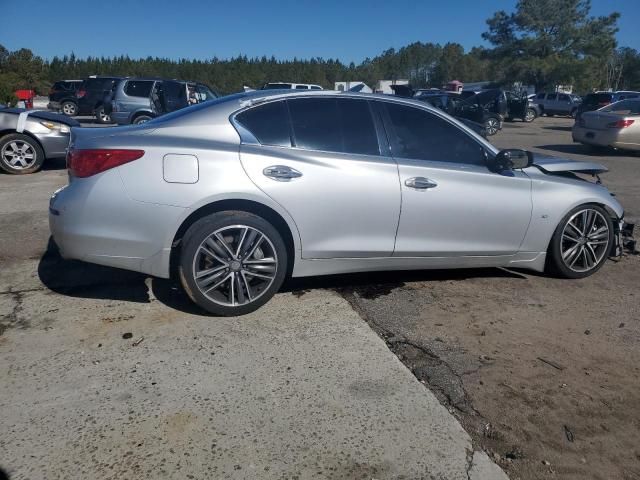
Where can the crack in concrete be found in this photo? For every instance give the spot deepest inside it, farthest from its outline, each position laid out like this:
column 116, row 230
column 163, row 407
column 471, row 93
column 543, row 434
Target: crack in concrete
column 12, row 320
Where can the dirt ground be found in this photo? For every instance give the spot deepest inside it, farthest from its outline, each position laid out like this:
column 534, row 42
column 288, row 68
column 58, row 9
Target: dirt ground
column 542, row 372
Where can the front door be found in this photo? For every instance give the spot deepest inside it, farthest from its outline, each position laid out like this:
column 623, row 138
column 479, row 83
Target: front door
column 319, row 158
column 452, row 205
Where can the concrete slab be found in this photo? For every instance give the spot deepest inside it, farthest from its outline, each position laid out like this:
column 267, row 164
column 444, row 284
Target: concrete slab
column 300, row 389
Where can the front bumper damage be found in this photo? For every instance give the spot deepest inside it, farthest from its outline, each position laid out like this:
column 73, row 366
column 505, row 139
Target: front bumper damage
column 624, row 241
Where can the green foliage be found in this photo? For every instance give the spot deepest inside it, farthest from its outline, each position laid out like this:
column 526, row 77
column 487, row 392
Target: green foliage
column 551, row 42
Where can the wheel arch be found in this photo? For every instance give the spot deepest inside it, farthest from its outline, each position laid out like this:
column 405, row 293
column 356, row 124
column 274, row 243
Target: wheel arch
column 139, row 113
column 10, row 131
column 243, row 205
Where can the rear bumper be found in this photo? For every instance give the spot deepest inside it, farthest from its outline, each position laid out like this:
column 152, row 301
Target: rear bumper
column 603, row 138
column 94, row 220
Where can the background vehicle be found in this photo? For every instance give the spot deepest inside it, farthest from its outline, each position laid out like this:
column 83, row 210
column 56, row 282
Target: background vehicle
column 594, row 101
column 138, row 100
column 242, row 191
column 447, row 102
column 44, row 135
column 520, row 106
column 62, row 97
column 90, row 97
column 616, row 125
column 481, row 109
column 294, row 86
column 563, row 104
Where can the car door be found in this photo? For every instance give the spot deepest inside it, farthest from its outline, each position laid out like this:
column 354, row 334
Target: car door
column 564, row 103
column 319, row 158
column 452, row 205
column 175, row 95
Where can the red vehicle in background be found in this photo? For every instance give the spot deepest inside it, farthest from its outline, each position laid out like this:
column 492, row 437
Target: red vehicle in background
column 26, row 96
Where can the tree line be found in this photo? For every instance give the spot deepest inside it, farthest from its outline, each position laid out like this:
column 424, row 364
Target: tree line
column 543, row 43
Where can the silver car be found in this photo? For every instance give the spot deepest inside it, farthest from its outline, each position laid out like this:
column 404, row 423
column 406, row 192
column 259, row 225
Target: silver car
column 233, row 195
column 616, row 125
column 29, row 137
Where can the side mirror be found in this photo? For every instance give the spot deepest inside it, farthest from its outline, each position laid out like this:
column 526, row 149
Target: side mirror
column 510, row 159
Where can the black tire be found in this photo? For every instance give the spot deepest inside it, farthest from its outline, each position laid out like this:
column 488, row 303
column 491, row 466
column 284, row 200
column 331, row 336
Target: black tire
column 69, row 108
column 140, row 119
column 492, row 126
column 557, row 266
column 101, row 116
column 14, row 142
column 574, row 113
column 191, row 255
column 530, row 115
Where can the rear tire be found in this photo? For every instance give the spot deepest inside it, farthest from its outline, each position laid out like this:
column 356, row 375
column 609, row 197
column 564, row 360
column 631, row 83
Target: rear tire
column 101, row 117
column 492, row 125
column 140, row 119
column 70, row 109
column 581, row 242
column 232, row 262
column 20, row 154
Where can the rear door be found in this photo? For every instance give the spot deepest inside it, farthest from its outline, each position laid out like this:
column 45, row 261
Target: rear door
column 565, row 105
column 175, row 95
column 319, row 158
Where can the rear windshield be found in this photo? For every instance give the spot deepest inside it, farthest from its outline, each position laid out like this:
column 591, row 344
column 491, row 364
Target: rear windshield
column 624, row 107
column 597, row 98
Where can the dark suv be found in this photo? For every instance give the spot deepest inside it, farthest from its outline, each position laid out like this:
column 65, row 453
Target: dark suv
column 597, row 100
column 90, row 95
column 62, row 97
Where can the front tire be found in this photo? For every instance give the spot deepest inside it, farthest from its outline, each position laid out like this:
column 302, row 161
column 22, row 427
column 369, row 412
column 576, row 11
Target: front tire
column 70, row 109
column 581, row 242
column 20, row 154
column 492, row 125
column 530, row 115
column 232, row 262
column 140, row 119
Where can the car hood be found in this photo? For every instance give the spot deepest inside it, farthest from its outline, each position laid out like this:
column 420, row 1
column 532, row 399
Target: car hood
column 44, row 115
column 550, row 164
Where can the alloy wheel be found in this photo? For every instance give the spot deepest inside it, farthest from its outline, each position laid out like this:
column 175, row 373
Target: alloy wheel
column 530, row 115
column 19, row 155
column 235, row 265
column 104, row 117
column 585, row 240
column 492, row 126
column 69, row 109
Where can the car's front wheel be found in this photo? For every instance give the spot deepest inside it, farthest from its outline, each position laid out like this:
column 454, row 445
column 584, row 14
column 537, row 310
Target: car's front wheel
column 232, row 262
column 70, row 109
column 581, row 242
column 102, row 116
column 492, row 125
column 140, row 119
column 20, row 154
column 530, row 115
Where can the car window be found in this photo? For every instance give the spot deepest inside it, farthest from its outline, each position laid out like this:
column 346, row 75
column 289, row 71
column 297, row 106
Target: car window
column 552, row 96
column 564, row 98
column 138, row 88
column 302, row 87
column 540, row 96
column 269, row 123
column 421, row 135
column 598, row 99
column 204, row 93
column 276, row 86
column 315, row 87
column 334, row 125
column 624, row 107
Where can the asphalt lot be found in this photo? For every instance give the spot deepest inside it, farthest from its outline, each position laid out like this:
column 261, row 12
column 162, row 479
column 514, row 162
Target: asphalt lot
column 304, row 388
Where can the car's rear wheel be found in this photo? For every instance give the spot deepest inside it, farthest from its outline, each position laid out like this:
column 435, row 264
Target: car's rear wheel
column 20, row 154
column 102, row 116
column 492, row 125
column 581, row 243
column 70, row 109
column 574, row 113
column 142, row 119
column 530, row 115
column 232, row 262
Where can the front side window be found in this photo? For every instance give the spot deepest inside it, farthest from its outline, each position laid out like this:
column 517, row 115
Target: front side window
column 563, row 98
column 334, row 125
column 552, row 96
column 421, row 135
column 302, row 87
column 269, row 123
column 138, row 88
column 540, row 96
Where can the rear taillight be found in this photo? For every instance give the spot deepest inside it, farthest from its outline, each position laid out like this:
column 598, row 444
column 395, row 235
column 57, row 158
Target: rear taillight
column 84, row 163
column 81, row 93
column 620, row 124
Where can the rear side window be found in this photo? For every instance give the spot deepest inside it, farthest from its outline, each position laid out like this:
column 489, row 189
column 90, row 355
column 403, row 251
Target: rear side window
column 626, row 107
column 563, row 97
column 315, row 87
column 138, row 88
column 269, row 123
column 333, row 125
column 276, row 86
column 540, row 96
column 598, row 99
column 421, row 135
column 552, row 96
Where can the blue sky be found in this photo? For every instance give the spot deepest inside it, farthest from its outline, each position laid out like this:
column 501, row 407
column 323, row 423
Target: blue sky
column 347, row 30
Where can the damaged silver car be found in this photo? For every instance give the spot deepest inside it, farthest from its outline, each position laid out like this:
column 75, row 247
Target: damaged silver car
column 233, row 195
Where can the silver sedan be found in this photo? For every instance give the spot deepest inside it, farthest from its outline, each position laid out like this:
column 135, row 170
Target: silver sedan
column 616, row 125
column 233, row 195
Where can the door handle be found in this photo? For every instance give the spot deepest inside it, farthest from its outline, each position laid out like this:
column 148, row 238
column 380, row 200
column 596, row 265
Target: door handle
column 281, row 172
column 420, row 183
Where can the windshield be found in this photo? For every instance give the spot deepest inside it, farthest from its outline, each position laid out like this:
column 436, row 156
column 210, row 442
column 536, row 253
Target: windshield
column 623, row 107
